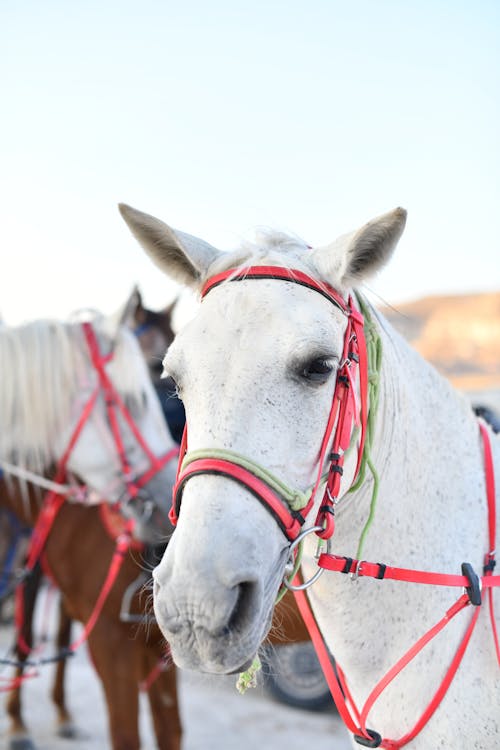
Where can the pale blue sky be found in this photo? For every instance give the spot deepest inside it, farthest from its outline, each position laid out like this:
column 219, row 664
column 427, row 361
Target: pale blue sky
column 219, row 116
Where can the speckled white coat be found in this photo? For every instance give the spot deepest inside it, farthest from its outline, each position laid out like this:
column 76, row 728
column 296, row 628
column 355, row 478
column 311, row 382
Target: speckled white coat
column 240, row 369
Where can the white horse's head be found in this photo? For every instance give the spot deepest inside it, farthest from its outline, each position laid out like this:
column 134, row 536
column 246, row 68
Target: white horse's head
column 256, row 371
column 49, row 381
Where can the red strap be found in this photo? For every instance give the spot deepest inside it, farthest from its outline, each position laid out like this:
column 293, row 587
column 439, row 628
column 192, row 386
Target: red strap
column 442, row 689
column 358, row 325
column 122, row 545
column 490, row 486
column 13, row 683
column 115, row 403
column 338, row 684
column 380, row 571
column 288, row 522
column 276, row 272
column 164, row 663
column 412, row 653
column 324, row 658
column 362, row 568
column 489, row 560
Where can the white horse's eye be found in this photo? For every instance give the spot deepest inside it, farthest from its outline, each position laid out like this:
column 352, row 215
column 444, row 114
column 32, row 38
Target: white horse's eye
column 318, row 370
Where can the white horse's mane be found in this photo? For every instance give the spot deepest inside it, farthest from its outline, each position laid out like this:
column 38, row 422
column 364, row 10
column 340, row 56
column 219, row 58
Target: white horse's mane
column 44, row 365
column 271, row 246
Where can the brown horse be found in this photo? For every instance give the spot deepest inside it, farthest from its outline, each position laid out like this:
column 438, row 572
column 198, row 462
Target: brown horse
column 124, row 654
column 77, row 555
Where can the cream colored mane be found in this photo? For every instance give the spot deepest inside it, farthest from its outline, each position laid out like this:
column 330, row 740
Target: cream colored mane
column 45, row 369
column 268, row 246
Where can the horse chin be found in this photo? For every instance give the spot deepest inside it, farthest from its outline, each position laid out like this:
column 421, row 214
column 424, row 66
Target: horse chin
column 213, row 656
column 215, row 664
column 227, row 651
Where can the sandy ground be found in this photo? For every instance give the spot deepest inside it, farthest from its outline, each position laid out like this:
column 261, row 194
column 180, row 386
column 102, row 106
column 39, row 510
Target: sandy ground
column 215, row 716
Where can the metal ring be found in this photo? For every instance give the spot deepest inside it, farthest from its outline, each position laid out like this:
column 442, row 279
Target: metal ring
column 355, row 575
column 302, row 586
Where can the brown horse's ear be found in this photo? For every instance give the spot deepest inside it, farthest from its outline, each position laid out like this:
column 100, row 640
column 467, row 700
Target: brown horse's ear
column 139, row 312
column 355, row 257
column 169, row 309
column 182, row 257
column 126, row 315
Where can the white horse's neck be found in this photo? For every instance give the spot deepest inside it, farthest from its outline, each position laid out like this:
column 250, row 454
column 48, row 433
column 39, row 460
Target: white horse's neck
column 431, row 515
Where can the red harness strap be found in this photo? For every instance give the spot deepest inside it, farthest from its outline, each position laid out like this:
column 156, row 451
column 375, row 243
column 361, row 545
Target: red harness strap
column 343, row 414
column 338, row 686
column 115, row 403
column 53, row 502
column 290, row 522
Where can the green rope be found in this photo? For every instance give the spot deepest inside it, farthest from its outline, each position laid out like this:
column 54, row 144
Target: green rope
column 295, row 498
column 374, row 357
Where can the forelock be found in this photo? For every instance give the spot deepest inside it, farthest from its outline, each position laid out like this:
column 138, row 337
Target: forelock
column 270, row 247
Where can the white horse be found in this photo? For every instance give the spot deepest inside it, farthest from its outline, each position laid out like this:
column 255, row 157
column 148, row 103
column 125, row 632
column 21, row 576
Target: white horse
column 47, row 382
column 256, row 369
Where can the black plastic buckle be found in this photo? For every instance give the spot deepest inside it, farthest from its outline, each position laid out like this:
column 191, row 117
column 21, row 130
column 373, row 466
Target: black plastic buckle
column 474, row 590
column 334, row 456
column 490, row 566
column 375, row 741
column 327, row 509
column 347, row 566
column 381, row 571
column 297, row 515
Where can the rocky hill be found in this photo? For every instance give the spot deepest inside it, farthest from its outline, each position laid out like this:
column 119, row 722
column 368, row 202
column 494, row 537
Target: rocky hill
column 459, row 334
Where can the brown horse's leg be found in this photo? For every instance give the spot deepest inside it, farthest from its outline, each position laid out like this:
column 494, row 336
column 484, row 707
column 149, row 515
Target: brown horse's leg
column 18, row 733
column 116, row 659
column 65, row 724
column 162, row 694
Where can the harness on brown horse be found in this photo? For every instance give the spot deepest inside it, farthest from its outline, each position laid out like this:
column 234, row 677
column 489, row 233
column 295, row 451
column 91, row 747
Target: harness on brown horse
column 53, row 500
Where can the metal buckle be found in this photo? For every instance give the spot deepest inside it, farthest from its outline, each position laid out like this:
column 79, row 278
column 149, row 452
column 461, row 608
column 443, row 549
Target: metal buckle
column 355, row 575
column 302, row 586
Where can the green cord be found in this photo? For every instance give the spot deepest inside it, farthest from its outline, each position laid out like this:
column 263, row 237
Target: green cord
column 294, row 498
column 374, row 357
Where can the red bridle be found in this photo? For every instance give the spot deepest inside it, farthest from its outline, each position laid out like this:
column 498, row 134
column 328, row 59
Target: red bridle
column 114, row 407
column 344, row 414
column 53, row 501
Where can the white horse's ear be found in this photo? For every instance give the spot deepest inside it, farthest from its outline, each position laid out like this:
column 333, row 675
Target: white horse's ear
column 356, row 256
column 182, row 257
